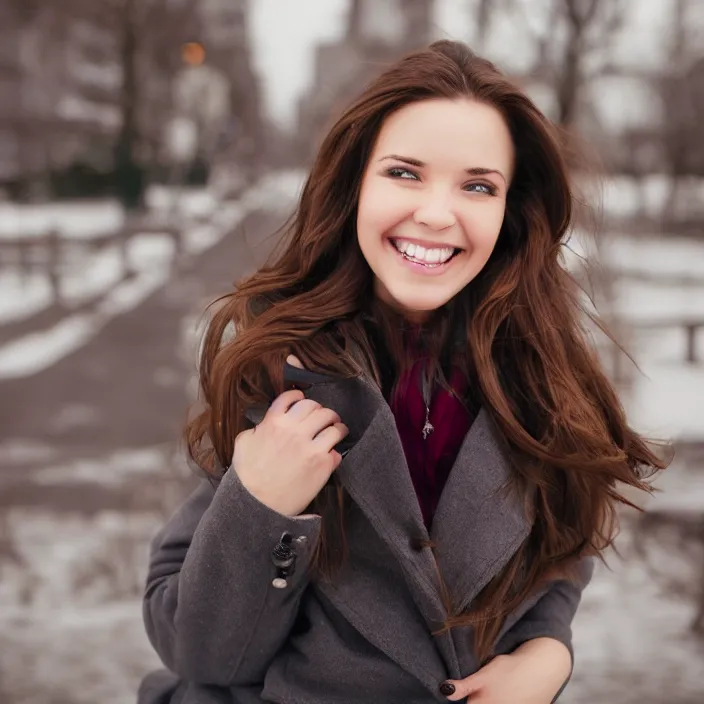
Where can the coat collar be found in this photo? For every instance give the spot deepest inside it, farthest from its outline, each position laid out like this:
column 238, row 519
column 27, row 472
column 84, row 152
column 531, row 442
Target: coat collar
column 477, row 527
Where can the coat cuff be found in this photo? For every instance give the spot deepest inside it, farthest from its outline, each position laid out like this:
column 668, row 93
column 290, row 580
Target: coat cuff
column 551, row 616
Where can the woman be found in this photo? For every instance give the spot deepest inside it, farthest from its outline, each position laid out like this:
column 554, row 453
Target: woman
column 484, row 449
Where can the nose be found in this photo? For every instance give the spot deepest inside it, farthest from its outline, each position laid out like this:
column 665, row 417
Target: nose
column 435, row 213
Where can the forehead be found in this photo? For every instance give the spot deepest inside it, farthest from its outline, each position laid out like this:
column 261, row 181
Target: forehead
column 461, row 133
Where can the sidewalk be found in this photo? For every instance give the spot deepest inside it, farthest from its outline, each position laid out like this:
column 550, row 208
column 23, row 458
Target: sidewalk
column 127, row 386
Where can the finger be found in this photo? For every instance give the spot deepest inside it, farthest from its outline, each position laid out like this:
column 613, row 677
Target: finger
column 240, row 442
column 300, row 410
column 284, row 401
column 320, row 419
column 333, row 434
column 464, row 688
column 243, row 435
column 336, row 459
column 294, row 361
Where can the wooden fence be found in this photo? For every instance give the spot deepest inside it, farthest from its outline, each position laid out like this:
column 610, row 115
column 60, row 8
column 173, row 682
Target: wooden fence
column 52, row 253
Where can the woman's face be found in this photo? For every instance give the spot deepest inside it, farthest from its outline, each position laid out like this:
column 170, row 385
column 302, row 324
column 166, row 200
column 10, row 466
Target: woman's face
column 432, row 201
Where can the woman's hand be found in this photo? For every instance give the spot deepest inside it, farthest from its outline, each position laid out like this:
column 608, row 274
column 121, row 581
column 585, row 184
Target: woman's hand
column 287, row 459
column 532, row 674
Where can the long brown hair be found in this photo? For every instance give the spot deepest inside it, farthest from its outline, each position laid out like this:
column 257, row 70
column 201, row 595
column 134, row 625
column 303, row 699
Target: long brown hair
column 520, row 323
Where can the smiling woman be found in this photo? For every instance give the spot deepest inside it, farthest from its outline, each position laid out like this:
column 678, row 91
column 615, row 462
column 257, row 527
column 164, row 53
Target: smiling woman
column 428, row 221
column 421, row 289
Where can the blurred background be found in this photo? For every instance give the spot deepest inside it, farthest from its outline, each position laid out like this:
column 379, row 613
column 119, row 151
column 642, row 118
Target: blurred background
column 149, row 149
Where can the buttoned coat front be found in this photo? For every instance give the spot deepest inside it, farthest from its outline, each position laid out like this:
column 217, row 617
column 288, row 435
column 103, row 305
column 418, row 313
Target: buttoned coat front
column 226, row 634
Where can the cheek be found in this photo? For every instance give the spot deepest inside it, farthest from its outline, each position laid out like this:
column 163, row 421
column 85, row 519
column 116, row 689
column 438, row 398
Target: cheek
column 379, row 210
column 483, row 226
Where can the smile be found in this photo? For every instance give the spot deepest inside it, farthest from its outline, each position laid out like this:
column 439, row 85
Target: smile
column 430, row 257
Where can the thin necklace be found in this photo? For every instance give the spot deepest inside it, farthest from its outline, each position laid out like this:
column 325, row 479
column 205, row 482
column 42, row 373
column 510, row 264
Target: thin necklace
column 425, row 390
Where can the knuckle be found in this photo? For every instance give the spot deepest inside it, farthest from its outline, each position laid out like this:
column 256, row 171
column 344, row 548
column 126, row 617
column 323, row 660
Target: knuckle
column 278, row 421
column 292, row 395
column 242, row 436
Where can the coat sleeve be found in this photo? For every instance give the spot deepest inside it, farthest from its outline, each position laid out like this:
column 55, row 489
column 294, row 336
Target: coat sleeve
column 210, row 609
column 551, row 615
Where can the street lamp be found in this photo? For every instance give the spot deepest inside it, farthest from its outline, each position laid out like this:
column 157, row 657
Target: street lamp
column 193, row 53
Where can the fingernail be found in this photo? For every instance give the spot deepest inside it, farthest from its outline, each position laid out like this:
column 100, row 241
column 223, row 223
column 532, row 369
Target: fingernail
column 447, row 688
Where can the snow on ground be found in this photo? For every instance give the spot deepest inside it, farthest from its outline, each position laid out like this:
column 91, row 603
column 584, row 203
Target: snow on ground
column 665, row 398
column 70, row 613
column 668, row 402
column 149, row 255
column 647, row 301
column 75, row 219
column 70, row 587
column 23, row 295
column 662, row 256
column 70, row 608
column 88, row 274
column 625, row 197
column 36, row 351
column 115, row 468
column 632, row 641
column 93, row 219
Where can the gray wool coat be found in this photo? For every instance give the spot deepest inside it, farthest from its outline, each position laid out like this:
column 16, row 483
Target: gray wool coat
column 227, row 635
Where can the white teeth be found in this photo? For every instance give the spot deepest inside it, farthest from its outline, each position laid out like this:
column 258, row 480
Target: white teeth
column 435, row 256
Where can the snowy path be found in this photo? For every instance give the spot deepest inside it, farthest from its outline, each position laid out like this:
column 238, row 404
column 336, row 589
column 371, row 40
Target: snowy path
column 72, row 616
column 149, row 254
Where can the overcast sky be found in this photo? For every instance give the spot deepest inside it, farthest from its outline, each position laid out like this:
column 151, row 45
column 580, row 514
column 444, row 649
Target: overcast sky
column 286, row 32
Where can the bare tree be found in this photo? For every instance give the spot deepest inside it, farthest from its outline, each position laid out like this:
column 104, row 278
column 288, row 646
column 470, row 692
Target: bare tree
column 144, row 39
column 681, row 89
column 572, row 33
column 482, row 21
column 25, row 109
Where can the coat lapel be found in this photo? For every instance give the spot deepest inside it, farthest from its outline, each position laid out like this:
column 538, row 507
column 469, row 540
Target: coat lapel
column 375, row 474
column 476, row 529
column 479, row 523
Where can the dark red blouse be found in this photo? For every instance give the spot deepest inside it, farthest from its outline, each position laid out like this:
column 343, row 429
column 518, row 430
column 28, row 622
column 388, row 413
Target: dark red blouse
column 430, row 460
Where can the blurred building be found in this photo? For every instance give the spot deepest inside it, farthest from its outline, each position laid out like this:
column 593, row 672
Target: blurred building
column 228, row 49
column 378, row 31
column 59, row 84
column 78, row 77
column 87, row 110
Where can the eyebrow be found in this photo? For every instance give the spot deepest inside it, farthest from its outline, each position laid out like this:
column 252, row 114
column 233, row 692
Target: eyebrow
column 473, row 171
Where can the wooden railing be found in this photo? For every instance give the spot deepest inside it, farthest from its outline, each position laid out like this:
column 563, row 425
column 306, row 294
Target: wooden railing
column 51, row 253
column 691, row 326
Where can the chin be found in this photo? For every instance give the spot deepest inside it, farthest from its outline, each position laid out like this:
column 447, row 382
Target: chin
column 422, row 307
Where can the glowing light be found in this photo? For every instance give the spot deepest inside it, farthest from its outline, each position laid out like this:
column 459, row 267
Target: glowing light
column 193, row 53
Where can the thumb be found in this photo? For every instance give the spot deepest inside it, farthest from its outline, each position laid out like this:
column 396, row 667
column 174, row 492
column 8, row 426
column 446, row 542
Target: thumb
column 463, row 688
column 294, row 361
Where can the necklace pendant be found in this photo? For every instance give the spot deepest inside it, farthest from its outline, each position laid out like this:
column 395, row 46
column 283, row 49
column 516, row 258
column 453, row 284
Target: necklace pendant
column 428, row 427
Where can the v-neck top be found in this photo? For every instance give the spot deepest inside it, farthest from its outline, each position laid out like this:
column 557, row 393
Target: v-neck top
column 431, row 459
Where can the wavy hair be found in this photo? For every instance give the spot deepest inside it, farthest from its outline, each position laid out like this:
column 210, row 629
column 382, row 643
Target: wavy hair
column 522, row 329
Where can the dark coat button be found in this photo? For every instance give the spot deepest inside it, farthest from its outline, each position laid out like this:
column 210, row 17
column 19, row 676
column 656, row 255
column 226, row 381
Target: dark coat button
column 283, row 555
column 418, row 544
